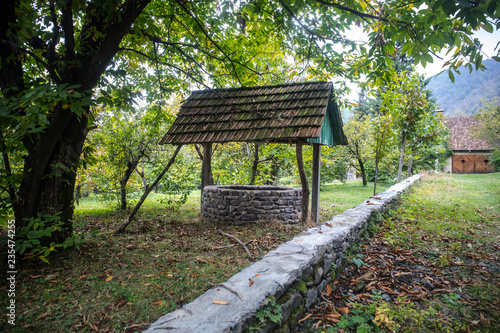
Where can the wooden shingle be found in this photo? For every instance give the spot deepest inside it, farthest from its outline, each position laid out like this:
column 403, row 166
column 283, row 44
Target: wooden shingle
column 283, row 113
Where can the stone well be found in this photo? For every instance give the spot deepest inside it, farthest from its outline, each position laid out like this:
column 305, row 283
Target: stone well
column 241, row 204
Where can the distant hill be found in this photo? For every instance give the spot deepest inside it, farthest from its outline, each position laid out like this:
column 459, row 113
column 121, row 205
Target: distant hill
column 464, row 96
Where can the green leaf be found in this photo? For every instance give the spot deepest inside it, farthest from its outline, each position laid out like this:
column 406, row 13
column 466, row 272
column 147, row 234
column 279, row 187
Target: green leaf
column 44, row 259
column 451, row 76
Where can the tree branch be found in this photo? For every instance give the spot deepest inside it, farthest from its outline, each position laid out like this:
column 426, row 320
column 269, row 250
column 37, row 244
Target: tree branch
column 239, row 242
column 67, row 23
column 205, row 32
column 148, row 190
column 352, row 11
column 109, row 46
column 200, row 154
column 50, row 69
column 168, row 65
column 51, row 48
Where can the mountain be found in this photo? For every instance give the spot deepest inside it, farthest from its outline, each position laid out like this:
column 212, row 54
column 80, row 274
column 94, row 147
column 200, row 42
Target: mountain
column 464, row 96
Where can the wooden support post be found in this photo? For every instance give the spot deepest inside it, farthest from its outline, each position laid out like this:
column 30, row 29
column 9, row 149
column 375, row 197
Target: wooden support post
column 316, row 174
column 303, row 181
column 206, row 167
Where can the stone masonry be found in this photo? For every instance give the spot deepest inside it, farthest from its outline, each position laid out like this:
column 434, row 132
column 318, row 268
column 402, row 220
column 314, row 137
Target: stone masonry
column 293, row 276
column 241, row 204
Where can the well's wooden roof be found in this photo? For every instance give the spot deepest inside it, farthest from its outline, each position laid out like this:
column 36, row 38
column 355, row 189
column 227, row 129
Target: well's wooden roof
column 461, row 137
column 281, row 113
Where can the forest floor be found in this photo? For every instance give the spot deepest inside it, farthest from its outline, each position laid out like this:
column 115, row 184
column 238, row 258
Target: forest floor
column 433, row 265
column 168, row 257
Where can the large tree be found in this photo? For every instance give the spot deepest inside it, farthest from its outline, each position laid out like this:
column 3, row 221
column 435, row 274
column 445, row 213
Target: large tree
column 60, row 57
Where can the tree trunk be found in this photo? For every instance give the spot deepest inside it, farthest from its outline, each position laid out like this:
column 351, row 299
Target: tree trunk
column 376, row 177
column 78, row 193
column 52, row 156
column 255, row 163
column 361, row 165
column 206, row 168
column 362, row 170
column 143, row 178
column 410, row 163
column 131, row 165
column 303, row 181
column 401, row 157
column 49, row 176
column 377, row 158
column 123, row 193
column 316, row 182
column 11, row 188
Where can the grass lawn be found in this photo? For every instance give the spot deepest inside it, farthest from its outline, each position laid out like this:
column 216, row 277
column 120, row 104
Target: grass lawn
column 122, row 283
column 432, row 266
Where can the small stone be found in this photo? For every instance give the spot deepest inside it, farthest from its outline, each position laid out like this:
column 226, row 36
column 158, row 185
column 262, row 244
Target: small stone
column 429, row 286
column 386, row 297
column 319, row 275
column 312, row 296
column 359, row 286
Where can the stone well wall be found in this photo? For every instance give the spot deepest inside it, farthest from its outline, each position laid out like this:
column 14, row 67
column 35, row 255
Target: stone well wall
column 293, row 276
column 240, row 204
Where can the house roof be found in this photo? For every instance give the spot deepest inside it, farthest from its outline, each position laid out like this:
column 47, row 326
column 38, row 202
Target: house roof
column 461, row 134
column 282, row 113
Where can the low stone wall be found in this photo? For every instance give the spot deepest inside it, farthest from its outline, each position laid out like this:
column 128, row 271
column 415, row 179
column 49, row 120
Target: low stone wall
column 292, row 276
column 240, row 204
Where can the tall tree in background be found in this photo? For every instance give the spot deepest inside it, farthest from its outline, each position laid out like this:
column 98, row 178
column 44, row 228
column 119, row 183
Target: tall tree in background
column 406, row 101
column 359, row 130
column 488, row 128
column 60, row 57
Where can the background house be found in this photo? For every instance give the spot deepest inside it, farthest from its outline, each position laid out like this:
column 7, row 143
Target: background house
column 470, row 154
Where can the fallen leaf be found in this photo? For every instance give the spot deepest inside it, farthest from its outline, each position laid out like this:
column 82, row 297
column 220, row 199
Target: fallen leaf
column 344, row 310
column 251, row 282
column 109, row 278
column 220, row 302
column 257, row 274
column 44, row 315
column 328, row 290
column 36, row 276
column 105, row 273
column 158, row 303
column 367, row 276
column 334, row 315
column 82, row 277
column 305, row 318
column 387, row 290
